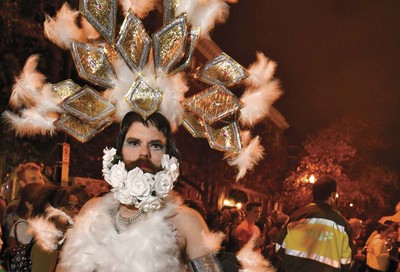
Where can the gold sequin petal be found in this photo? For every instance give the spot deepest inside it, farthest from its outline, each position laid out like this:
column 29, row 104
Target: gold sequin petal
column 169, row 44
column 92, row 63
column 222, row 70
column 142, row 98
column 213, row 104
column 88, row 106
column 133, row 43
column 226, row 139
column 102, row 15
column 65, row 88
column 194, row 125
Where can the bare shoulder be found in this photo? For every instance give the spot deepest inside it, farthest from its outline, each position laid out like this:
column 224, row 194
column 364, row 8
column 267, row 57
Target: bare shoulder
column 189, row 218
column 90, row 204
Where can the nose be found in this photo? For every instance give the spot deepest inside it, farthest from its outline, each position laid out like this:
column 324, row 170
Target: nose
column 144, row 152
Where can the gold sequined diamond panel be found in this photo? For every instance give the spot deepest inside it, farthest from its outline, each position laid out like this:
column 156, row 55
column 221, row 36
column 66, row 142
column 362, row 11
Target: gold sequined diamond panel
column 65, row 88
column 222, row 70
column 133, row 43
column 142, row 98
column 169, row 43
column 226, row 139
column 193, row 38
column 101, row 14
column 194, row 125
column 213, row 104
column 92, row 63
column 88, row 106
column 169, row 10
column 79, row 129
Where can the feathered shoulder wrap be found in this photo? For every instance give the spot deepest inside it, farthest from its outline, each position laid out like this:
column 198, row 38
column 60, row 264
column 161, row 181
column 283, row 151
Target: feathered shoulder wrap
column 94, row 244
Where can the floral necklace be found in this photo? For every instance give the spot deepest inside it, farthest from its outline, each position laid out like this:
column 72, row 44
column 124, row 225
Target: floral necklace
column 143, row 190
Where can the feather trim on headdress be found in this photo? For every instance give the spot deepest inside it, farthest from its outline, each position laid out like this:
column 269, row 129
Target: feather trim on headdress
column 248, row 157
column 258, row 102
column 204, row 14
column 253, row 261
column 26, row 89
column 174, row 88
column 63, row 28
column 29, row 123
column 261, row 71
column 141, row 8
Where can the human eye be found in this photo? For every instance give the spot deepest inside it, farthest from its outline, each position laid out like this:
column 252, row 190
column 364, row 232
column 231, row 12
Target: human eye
column 157, row 146
column 133, row 143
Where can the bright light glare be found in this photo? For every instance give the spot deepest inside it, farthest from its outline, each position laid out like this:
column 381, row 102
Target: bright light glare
column 239, row 205
column 337, row 195
column 312, row 179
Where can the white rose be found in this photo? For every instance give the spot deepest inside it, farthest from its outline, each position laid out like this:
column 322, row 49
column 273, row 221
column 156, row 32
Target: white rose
column 117, row 175
column 138, row 183
column 109, row 154
column 171, row 165
column 149, row 204
column 123, row 196
column 163, row 184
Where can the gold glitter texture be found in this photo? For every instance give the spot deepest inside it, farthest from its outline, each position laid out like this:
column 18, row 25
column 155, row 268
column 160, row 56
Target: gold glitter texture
column 65, row 88
column 194, row 125
column 226, row 139
column 88, row 106
column 101, row 14
column 79, row 129
column 222, row 70
column 143, row 98
column 213, row 104
column 92, row 63
column 133, row 43
column 169, row 10
column 169, row 43
column 193, row 38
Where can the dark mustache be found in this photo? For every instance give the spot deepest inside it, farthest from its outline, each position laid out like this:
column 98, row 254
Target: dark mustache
column 133, row 164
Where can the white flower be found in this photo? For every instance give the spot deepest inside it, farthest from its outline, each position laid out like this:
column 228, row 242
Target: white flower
column 108, row 155
column 117, row 175
column 138, row 183
column 122, row 195
column 150, row 203
column 163, row 183
column 171, row 165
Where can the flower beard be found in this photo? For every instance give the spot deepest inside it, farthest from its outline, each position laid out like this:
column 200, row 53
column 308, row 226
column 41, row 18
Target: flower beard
column 145, row 164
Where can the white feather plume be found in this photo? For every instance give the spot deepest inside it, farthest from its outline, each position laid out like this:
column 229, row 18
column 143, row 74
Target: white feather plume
column 63, row 28
column 174, row 88
column 123, row 81
column 258, row 102
column 46, row 234
column 88, row 31
column 141, row 8
column 261, row 71
column 49, row 102
column 205, row 13
column 26, row 89
column 30, row 122
column 248, row 157
column 253, row 261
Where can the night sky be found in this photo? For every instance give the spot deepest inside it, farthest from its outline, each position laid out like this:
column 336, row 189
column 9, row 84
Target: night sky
column 335, row 58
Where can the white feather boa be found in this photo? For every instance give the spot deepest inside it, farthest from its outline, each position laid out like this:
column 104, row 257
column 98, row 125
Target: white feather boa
column 94, row 244
column 253, row 261
column 141, row 8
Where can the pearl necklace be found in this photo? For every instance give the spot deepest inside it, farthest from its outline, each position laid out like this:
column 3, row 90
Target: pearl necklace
column 131, row 220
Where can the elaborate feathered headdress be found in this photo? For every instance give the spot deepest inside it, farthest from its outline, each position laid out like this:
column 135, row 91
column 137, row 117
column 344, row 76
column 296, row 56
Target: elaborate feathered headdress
column 146, row 74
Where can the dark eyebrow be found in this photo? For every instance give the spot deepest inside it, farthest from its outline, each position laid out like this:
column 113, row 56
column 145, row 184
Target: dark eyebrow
column 132, row 139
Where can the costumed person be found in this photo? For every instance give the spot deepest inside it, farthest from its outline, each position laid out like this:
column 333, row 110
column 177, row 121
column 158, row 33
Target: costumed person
column 141, row 225
column 316, row 237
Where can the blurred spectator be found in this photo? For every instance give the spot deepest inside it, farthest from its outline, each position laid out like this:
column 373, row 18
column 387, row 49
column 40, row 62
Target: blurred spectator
column 317, row 237
column 377, row 253
column 248, row 229
column 29, row 194
column 232, row 244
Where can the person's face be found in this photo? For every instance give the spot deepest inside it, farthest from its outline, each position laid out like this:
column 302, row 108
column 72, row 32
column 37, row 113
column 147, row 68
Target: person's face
column 254, row 214
column 143, row 147
column 73, row 207
column 32, row 176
